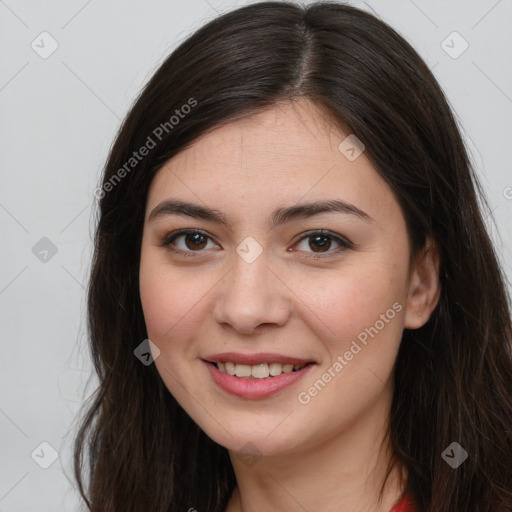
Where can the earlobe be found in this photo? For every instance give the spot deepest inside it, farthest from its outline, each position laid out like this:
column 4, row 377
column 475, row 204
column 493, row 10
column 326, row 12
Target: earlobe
column 424, row 287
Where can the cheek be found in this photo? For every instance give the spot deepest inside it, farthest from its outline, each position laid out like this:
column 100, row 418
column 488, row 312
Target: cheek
column 364, row 312
column 164, row 301
column 357, row 298
column 156, row 299
column 171, row 307
column 173, row 301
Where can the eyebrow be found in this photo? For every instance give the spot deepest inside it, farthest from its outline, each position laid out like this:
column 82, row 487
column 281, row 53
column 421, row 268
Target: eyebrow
column 279, row 216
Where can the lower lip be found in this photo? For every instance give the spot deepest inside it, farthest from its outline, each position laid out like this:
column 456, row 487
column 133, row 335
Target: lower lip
column 255, row 388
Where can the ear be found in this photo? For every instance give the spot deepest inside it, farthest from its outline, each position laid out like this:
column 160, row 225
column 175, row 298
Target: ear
column 424, row 287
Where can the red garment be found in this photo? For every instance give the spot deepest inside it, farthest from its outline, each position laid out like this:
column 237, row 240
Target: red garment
column 404, row 506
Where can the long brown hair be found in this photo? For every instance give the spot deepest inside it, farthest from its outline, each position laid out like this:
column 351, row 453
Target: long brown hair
column 453, row 376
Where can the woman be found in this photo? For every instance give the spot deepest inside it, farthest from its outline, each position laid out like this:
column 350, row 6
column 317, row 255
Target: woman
column 294, row 303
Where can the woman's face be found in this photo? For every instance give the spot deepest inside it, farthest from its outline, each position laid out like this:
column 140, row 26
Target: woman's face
column 264, row 287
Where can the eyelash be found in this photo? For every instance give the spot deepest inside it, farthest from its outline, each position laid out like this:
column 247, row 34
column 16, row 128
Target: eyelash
column 344, row 243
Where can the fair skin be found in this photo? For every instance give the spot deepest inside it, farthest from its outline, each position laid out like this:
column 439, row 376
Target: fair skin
column 329, row 453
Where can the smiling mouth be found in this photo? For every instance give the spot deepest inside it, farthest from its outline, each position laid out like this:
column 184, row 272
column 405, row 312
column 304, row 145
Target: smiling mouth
column 257, row 371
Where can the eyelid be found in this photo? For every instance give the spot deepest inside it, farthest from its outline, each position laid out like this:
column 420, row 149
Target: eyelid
column 343, row 241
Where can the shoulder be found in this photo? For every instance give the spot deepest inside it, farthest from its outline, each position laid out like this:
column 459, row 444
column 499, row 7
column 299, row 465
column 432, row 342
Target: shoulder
column 405, row 505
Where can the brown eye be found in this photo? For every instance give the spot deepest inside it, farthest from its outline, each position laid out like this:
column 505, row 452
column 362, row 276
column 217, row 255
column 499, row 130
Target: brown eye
column 194, row 241
column 319, row 243
column 322, row 241
column 186, row 242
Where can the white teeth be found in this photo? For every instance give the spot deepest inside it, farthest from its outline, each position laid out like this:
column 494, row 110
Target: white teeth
column 243, row 370
column 260, row 371
column 275, row 369
column 257, row 371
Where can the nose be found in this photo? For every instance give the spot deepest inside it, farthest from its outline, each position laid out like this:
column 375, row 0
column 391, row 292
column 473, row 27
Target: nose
column 250, row 295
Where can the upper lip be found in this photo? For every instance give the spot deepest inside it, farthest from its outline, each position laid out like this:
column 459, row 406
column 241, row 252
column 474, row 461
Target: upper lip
column 254, row 359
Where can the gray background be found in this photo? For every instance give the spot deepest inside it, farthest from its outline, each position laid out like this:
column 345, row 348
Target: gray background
column 59, row 116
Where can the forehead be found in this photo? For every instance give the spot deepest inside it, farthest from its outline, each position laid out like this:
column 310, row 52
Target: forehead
column 279, row 135
column 278, row 156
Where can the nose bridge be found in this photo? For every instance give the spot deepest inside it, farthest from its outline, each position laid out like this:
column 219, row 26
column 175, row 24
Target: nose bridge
column 251, row 295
